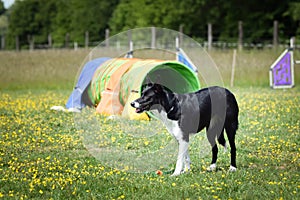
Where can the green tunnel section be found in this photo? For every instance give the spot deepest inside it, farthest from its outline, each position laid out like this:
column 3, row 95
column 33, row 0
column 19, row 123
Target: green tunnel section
column 102, row 77
column 122, row 75
column 171, row 74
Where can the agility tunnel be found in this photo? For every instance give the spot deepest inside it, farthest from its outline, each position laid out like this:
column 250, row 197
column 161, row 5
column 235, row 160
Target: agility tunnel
column 109, row 86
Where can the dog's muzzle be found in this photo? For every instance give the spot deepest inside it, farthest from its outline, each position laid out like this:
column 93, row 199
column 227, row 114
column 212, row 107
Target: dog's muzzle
column 135, row 104
column 139, row 108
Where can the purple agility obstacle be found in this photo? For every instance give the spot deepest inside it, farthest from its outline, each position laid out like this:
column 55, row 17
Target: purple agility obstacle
column 282, row 71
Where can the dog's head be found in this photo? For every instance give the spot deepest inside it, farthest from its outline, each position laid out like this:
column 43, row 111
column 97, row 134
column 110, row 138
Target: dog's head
column 152, row 94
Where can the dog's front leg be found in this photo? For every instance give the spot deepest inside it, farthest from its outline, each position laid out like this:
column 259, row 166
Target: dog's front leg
column 187, row 163
column 182, row 154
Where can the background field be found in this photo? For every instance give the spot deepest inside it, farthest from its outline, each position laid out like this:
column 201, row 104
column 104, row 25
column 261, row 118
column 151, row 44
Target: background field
column 58, row 68
column 42, row 155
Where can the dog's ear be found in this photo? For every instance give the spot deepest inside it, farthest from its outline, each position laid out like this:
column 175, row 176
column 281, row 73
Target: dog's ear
column 158, row 88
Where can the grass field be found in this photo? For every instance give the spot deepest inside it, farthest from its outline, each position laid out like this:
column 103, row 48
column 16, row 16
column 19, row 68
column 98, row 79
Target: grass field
column 43, row 156
column 56, row 69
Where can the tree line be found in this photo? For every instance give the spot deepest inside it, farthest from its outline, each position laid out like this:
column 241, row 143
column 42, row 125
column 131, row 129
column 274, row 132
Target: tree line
column 26, row 19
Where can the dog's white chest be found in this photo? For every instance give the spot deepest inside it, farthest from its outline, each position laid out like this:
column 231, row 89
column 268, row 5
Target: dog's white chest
column 171, row 125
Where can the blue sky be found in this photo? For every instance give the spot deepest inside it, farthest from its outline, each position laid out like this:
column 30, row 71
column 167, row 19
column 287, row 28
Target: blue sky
column 8, row 3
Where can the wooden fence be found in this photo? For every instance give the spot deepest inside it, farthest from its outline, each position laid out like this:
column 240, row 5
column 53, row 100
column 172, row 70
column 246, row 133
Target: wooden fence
column 208, row 44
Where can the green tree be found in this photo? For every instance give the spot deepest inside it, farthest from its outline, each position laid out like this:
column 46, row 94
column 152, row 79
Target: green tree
column 192, row 14
column 91, row 16
column 3, row 19
column 31, row 18
column 3, row 24
column 60, row 23
column 294, row 12
column 257, row 17
column 59, row 18
column 140, row 13
column 75, row 17
column 21, row 21
column 2, row 9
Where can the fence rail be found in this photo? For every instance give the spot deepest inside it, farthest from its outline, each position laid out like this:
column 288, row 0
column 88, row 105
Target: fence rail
column 209, row 43
column 220, row 45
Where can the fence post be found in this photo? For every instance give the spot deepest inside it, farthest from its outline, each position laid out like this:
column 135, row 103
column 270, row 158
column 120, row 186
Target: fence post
column 181, row 34
column 240, row 40
column 107, row 37
column 75, row 46
column 209, row 36
column 86, row 43
column 129, row 37
column 67, row 40
column 30, row 39
column 49, row 40
column 275, row 34
column 3, row 42
column 17, row 43
column 292, row 46
column 32, row 43
column 153, row 37
column 233, row 68
column 130, row 43
column 292, row 42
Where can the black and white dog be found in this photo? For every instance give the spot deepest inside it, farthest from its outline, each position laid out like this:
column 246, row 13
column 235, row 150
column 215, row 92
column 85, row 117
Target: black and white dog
column 213, row 108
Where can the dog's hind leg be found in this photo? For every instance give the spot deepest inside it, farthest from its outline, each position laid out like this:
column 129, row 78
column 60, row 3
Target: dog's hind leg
column 231, row 131
column 211, row 136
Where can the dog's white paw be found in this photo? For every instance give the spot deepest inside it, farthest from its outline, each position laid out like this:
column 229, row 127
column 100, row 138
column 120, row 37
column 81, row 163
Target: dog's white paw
column 212, row 167
column 232, row 168
column 58, row 108
column 178, row 173
column 113, row 117
column 74, row 110
column 175, row 174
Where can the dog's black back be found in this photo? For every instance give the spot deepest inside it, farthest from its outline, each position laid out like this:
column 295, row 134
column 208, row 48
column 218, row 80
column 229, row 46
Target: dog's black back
column 210, row 105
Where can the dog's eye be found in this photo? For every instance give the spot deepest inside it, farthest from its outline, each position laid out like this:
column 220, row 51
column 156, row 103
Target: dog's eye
column 148, row 94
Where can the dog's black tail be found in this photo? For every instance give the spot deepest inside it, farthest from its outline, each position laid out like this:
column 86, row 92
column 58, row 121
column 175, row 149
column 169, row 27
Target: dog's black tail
column 221, row 139
column 232, row 128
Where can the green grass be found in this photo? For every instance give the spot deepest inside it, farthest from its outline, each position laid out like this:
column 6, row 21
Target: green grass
column 53, row 69
column 56, row 69
column 43, row 153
